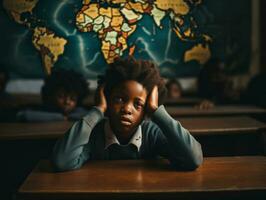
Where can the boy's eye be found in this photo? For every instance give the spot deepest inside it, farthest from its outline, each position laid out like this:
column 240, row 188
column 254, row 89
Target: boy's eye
column 139, row 105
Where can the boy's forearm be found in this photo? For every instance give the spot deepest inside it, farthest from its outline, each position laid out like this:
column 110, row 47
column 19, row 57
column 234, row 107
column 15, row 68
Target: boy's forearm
column 69, row 152
column 181, row 142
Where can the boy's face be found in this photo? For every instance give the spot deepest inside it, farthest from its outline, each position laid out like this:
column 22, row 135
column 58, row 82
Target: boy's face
column 126, row 108
column 66, row 102
column 174, row 91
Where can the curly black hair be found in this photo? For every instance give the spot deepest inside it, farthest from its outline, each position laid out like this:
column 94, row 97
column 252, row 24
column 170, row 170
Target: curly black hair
column 143, row 71
column 66, row 80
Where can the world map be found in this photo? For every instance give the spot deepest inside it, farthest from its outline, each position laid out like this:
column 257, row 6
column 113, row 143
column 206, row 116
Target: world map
column 87, row 35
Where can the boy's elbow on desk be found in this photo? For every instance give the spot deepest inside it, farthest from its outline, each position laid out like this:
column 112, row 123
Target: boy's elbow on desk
column 196, row 162
column 189, row 162
column 196, row 159
column 61, row 164
column 190, row 165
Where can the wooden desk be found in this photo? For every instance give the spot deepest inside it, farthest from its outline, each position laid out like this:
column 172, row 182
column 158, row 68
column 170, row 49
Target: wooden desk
column 200, row 126
column 197, row 126
column 17, row 131
column 182, row 101
column 217, row 178
column 229, row 135
column 218, row 135
column 187, row 111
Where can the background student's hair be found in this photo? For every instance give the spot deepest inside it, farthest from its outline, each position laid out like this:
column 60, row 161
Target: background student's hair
column 68, row 80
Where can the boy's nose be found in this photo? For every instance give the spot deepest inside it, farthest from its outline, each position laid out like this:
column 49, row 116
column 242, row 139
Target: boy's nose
column 127, row 108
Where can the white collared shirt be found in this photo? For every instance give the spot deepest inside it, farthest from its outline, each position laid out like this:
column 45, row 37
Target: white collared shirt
column 110, row 137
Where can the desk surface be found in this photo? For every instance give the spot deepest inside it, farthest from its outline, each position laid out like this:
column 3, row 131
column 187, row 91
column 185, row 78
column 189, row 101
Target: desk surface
column 183, row 101
column 49, row 130
column 182, row 111
column 140, row 178
column 222, row 125
column 197, row 126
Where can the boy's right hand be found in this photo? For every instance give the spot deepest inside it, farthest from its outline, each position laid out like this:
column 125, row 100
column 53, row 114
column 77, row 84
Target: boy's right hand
column 100, row 99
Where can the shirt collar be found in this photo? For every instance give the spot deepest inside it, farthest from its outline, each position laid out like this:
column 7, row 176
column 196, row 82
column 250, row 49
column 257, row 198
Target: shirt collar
column 110, row 137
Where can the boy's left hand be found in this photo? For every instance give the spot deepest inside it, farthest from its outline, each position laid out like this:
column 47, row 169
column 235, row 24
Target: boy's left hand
column 152, row 101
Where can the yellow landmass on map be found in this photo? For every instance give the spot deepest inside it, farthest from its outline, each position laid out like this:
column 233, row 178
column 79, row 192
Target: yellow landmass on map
column 117, row 21
column 179, row 7
column 199, row 53
column 138, row 6
column 106, row 12
column 16, row 7
column 49, row 45
column 116, row 1
column 92, row 11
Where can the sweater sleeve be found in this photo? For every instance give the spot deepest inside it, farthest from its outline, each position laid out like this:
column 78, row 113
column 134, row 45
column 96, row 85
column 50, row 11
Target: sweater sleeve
column 175, row 142
column 73, row 149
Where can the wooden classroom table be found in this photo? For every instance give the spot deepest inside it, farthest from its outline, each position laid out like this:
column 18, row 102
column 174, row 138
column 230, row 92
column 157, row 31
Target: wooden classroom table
column 217, row 178
column 197, row 126
column 222, row 125
column 25, row 131
column 190, row 111
column 183, row 101
column 228, row 135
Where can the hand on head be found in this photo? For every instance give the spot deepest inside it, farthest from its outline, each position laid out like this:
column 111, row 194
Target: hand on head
column 152, row 101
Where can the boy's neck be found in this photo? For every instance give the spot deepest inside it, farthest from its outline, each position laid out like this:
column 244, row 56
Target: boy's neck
column 124, row 138
column 123, row 141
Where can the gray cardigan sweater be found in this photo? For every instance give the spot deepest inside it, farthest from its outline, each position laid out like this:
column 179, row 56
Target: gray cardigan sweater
column 161, row 136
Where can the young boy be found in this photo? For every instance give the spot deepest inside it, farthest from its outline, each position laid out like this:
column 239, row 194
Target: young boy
column 62, row 96
column 131, row 92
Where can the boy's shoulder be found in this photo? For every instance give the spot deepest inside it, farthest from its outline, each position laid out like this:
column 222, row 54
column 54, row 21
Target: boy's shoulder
column 148, row 126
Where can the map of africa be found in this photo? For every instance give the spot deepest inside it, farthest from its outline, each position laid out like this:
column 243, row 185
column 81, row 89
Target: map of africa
column 87, row 35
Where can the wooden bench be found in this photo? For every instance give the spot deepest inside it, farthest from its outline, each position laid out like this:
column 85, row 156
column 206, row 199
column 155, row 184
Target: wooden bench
column 217, row 178
column 228, row 110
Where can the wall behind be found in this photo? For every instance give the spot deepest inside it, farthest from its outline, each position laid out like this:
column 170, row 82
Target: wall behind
column 180, row 36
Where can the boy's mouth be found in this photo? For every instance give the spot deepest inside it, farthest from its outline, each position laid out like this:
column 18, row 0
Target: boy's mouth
column 125, row 121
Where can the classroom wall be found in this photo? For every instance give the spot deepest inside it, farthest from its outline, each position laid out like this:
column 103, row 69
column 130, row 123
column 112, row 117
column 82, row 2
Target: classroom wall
column 263, row 33
column 179, row 45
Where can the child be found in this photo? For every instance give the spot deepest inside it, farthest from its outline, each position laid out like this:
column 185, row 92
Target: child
column 129, row 91
column 174, row 89
column 214, row 85
column 62, row 96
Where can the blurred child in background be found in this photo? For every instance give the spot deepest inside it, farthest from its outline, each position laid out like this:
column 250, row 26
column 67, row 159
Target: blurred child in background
column 62, row 96
column 214, row 85
column 174, row 89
